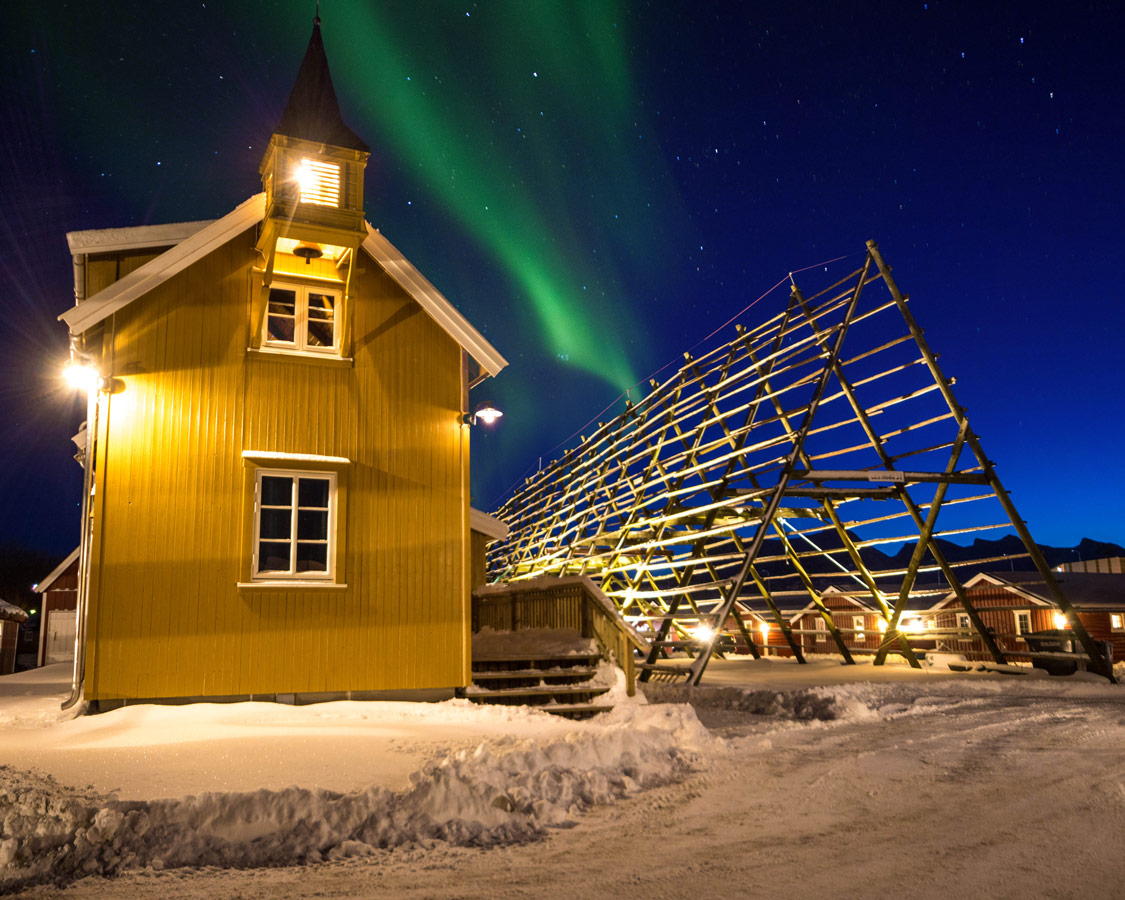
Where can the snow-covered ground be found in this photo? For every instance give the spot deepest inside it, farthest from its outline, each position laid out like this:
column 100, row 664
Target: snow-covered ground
column 771, row 779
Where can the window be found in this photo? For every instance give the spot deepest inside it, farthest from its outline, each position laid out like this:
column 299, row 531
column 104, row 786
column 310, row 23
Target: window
column 1023, row 622
column 302, row 318
column 1117, row 621
column 821, row 627
column 294, row 525
column 857, row 624
column 963, row 624
column 319, row 182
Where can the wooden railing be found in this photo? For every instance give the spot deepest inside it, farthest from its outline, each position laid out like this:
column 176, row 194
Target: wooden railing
column 573, row 602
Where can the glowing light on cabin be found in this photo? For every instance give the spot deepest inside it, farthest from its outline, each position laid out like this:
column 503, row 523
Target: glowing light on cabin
column 883, row 625
column 319, row 182
column 81, row 377
column 487, row 413
column 764, row 628
column 912, row 626
column 1060, row 621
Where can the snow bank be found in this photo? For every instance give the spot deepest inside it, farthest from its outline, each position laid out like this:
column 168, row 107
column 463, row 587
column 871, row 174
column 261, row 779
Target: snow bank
column 501, row 792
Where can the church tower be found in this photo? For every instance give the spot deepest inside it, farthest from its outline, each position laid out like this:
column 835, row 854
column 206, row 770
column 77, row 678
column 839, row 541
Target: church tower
column 312, row 175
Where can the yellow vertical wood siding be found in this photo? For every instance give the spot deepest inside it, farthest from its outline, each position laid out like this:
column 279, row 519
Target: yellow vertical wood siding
column 174, row 507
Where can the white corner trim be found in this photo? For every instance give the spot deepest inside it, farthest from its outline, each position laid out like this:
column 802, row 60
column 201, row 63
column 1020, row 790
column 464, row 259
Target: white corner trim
column 488, row 525
column 432, row 301
column 171, row 262
column 271, row 456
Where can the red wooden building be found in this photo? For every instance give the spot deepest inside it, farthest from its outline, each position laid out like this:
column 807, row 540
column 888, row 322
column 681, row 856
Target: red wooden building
column 57, row 619
column 1013, row 604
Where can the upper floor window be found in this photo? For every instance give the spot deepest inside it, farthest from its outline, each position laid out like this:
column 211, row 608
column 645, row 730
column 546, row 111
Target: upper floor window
column 1023, row 622
column 857, row 626
column 303, row 318
column 319, row 182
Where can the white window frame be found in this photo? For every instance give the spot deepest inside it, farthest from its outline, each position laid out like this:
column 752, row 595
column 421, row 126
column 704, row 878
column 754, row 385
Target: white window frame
column 859, row 623
column 1117, row 621
column 821, row 628
column 300, row 343
column 964, row 623
column 329, row 574
column 1020, row 630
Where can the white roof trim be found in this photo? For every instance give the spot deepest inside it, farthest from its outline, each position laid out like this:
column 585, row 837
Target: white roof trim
column 171, row 262
column 999, row 582
column 488, row 525
column 432, row 301
column 271, row 456
column 114, row 240
column 200, row 238
column 46, row 583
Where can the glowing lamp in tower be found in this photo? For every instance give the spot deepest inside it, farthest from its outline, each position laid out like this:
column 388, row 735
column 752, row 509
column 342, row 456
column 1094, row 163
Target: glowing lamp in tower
column 318, row 182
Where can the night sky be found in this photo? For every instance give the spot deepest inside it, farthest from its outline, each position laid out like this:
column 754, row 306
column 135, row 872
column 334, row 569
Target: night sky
column 599, row 185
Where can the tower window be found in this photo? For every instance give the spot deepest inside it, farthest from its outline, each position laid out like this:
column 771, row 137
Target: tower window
column 319, row 182
column 302, row 318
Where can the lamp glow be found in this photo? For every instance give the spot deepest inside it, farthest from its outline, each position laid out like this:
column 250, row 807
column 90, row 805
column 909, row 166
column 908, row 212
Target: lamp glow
column 487, row 413
column 703, row 633
column 81, row 377
column 764, row 628
column 1060, row 621
column 883, row 625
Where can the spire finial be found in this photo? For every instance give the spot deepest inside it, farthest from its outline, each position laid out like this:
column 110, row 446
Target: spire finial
column 316, row 18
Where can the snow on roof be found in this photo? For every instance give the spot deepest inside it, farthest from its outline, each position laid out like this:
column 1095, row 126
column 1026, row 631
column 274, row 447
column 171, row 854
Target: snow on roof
column 171, row 262
column 488, row 525
column 12, row 613
column 431, row 299
column 197, row 242
column 45, row 584
column 114, row 240
column 1084, row 590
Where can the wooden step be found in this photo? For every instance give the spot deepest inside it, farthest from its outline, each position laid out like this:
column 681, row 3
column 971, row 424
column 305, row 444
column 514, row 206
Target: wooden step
column 539, row 662
column 547, row 676
column 547, row 690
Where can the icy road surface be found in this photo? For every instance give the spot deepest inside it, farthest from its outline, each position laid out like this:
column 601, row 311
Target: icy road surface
column 978, row 786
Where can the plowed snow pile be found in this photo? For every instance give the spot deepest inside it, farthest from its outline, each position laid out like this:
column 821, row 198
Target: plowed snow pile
column 501, row 792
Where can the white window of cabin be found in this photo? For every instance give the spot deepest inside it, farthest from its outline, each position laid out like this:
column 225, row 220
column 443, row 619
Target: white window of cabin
column 1117, row 621
column 294, row 525
column 1023, row 622
column 821, row 627
column 319, row 182
column 963, row 624
column 302, row 318
column 857, row 625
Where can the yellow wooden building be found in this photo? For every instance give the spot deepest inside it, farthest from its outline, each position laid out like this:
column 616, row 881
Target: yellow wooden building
column 278, row 457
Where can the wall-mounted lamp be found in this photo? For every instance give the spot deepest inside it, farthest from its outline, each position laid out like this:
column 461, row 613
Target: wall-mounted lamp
column 81, row 376
column 485, row 412
column 1061, row 622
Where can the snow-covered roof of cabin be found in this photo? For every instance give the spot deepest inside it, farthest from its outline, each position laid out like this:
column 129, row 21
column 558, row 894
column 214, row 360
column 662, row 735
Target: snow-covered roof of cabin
column 1084, row 590
column 45, row 584
column 212, row 235
column 488, row 525
column 12, row 613
column 114, row 240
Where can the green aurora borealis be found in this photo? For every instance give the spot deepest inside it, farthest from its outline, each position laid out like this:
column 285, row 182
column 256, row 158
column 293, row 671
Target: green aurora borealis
column 504, row 176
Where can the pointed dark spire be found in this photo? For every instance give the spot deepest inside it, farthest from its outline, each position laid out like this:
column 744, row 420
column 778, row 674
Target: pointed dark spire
column 313, row 113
